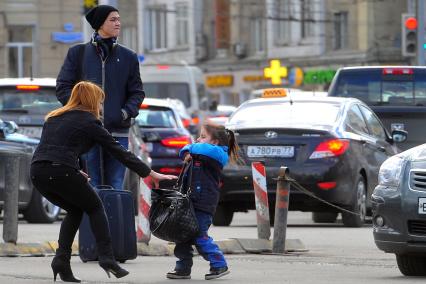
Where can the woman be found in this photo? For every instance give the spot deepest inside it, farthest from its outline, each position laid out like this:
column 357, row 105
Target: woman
column 68, row 132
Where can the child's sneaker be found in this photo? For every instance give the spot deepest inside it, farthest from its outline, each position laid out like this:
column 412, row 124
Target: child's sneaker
column 178, row 274
column 217, row 272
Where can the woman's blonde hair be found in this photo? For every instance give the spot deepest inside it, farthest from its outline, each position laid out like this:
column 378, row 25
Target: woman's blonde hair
column 85, row 96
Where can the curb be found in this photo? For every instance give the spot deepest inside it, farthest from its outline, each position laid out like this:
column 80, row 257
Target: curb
column 228, row 246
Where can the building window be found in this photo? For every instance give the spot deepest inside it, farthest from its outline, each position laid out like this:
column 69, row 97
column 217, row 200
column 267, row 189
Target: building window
column 182, row 38
column 157, row 27
column 308, row 17
column 282, row 15
column 257, row 34
column 20, row 51
column 340, row 21
column 128, row 37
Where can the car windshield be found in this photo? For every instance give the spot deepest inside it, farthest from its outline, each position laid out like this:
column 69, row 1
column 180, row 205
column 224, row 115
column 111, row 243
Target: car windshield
column 156, row 118
column 39, row 101
column 376, row 88
column 286, row 114
column 178, row 91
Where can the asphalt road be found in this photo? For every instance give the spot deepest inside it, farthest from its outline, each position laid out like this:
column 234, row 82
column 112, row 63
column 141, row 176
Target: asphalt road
column 336, row 255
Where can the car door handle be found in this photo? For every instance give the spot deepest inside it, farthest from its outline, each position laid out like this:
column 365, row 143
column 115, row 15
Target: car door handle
column 381, row 149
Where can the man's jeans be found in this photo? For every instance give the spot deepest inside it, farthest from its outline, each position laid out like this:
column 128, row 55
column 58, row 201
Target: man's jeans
column 113, row 169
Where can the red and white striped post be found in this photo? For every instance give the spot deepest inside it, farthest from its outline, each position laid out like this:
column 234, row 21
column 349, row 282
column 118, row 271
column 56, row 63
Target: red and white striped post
column 261, row 200
column 143, row 231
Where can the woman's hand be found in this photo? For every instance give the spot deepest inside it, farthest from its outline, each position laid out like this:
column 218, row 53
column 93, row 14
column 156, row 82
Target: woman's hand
column 156, row 177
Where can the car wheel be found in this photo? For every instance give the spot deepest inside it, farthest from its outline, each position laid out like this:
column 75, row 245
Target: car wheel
column 223, row 216
column 324, row 217
column 359, row 206
column 40, row 210
column 411, row 265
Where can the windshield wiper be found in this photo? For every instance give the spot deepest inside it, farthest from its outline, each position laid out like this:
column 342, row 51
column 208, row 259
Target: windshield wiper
column 15, row 110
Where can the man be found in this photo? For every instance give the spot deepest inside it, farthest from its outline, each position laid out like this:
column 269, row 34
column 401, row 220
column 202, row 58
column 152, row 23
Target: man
column 115, row 68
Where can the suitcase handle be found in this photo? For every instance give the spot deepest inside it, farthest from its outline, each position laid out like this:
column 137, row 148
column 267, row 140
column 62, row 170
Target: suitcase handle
column 104, row 187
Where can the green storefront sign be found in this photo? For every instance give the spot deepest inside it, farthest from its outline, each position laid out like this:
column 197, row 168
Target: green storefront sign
column 318, row 76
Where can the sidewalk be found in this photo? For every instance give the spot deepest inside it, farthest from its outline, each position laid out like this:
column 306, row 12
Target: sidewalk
column 40, row 240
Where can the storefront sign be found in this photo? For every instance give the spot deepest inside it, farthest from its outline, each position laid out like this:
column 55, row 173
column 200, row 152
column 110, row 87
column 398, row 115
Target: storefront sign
column 275, row 72
column 217, row 81
column 254, row 78
column 319, row 76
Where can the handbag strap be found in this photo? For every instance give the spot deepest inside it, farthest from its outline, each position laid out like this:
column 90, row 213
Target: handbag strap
column 187, row 168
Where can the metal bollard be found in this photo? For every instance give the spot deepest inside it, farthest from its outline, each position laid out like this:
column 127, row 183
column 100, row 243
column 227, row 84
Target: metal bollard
column 11, row 189
column 281, row 211
column 261, row 200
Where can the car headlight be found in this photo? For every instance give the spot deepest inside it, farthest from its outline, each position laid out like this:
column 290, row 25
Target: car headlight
column 391, row 171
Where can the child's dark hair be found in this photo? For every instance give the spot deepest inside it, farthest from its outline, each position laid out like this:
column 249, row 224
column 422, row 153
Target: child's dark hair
column 225, row 137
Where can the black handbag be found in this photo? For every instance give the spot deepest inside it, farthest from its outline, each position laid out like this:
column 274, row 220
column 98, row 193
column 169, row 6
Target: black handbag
column 172, row 217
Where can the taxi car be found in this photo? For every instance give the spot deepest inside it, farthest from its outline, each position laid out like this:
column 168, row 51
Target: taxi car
column 332, row 146
column 399, row 210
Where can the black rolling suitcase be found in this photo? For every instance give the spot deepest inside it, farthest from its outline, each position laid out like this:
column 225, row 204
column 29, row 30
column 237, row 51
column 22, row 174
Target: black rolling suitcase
column 121, row 218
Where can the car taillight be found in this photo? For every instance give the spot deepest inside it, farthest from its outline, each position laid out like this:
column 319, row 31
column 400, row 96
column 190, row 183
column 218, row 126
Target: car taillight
column 397, row 71
column 196, row 120
column 27, row 87
column 170, row 171
column 330, row 148
column 177, row 142
column 327, row 185
column 186, row 122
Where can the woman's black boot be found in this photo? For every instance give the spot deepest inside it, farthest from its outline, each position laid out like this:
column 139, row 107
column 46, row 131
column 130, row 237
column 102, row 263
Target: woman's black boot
column 110, row 265
column 61, row 264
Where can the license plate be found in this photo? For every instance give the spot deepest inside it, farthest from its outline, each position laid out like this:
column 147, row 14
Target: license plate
column 33, row 132
column 422, row 205
column 270, row 151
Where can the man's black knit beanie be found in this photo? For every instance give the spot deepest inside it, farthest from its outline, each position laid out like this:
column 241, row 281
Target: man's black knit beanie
column 97, row 15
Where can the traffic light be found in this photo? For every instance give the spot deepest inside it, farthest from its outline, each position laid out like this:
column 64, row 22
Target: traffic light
column 409, row 35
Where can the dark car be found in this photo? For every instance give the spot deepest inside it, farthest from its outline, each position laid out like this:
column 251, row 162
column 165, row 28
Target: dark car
column 397, row 94
column 35, row 208
column 27, row 101
column 164, row 135
column 399, row 210
column 332, row 146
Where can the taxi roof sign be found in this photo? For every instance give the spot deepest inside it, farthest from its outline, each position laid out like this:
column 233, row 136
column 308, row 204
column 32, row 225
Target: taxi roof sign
column 274, row 93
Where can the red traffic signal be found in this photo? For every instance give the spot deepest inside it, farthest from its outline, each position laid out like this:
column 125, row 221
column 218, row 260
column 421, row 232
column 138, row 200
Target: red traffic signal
column 411, row 23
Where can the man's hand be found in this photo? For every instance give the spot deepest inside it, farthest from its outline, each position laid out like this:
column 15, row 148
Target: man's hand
column 85, row 175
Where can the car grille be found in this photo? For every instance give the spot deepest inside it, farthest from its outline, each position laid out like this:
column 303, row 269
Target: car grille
column 417, row 227
column 418, row 180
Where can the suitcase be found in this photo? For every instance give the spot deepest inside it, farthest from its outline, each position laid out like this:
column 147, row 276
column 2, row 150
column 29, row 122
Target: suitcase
column 121, row 218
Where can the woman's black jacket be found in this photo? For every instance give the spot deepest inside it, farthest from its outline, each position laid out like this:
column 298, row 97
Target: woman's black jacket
column 67, row 136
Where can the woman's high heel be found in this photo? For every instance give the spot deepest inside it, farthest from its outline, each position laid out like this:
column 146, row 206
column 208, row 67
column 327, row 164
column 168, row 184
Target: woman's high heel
column 61, row 266
column 109, row 265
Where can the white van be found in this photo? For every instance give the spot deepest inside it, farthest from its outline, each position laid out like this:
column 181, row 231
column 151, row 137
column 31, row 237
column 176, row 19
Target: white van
column 176, row 81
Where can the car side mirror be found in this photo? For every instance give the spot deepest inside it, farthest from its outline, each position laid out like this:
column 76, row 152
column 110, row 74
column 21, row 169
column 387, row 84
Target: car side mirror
column 10, row 127
column 399, row 136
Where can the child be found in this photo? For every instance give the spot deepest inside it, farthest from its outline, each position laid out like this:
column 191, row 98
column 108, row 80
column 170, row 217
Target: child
column 209, row 155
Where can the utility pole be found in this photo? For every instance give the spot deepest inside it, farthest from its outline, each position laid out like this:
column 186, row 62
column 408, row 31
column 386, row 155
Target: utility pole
column 420, row 32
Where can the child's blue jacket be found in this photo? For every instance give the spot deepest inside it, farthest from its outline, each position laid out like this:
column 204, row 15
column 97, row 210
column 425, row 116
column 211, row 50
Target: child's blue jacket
column 208, row 161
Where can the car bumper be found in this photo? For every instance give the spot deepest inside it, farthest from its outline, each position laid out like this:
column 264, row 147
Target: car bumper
column 402, row 223
column 238, row 186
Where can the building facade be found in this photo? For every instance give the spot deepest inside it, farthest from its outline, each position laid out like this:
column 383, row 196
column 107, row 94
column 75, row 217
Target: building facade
column 233, row 41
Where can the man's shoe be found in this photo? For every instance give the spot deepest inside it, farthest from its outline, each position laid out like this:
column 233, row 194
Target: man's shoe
column 178, row 274
column 217, row 272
